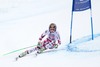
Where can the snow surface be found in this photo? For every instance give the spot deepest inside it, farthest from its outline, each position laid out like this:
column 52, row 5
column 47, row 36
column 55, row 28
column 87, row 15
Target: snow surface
column 23, row 21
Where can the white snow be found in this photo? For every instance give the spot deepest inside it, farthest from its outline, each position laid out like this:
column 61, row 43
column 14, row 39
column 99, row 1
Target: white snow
column 23, row 21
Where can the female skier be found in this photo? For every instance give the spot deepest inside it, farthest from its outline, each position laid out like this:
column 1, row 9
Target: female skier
column 52, row 41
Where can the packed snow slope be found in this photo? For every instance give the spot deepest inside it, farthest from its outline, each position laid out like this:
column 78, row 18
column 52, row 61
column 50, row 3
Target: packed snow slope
column 23, row 21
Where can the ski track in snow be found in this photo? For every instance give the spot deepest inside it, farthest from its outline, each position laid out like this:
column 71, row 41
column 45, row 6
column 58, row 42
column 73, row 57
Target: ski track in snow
column 73, row 46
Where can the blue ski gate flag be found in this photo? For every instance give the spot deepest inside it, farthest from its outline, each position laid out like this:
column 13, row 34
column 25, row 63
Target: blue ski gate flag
column 81, row 5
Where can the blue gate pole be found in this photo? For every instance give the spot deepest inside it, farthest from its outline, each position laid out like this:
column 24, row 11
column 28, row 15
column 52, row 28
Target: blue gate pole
column 71, row 22
column 71, row 28
column 91, row 21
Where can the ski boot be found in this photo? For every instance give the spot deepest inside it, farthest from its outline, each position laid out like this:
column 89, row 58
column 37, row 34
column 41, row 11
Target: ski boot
column 22, row 55
column 40, row 50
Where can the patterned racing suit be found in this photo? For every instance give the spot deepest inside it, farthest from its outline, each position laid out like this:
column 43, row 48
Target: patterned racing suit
column 51, row 40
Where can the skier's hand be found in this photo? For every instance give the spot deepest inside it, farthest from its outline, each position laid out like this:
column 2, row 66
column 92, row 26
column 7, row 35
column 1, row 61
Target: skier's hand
column 39, row 42
column 56, row 46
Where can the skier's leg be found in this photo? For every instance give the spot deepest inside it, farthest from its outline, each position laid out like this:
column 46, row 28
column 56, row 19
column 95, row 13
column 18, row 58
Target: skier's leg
column 42, row 47
column 51, row 45
column 32, row 50
column 25, row 53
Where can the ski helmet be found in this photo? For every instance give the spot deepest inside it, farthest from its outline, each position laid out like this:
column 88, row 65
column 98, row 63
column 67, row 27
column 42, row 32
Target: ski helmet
column 53, row 24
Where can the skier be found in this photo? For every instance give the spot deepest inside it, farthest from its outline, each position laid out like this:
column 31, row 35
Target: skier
column 52, row 41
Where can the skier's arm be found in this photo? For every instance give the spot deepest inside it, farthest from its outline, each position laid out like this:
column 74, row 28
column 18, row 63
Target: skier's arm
column 42, row 35
column 58, row 38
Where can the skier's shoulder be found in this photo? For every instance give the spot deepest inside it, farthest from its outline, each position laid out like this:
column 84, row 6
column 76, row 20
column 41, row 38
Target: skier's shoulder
column 56, row 32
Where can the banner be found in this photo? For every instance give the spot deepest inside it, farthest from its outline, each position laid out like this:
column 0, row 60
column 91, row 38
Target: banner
column 81, row 5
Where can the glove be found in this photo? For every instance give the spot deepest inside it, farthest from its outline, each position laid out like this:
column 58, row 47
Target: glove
column 56, row 46
column 39, row 43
